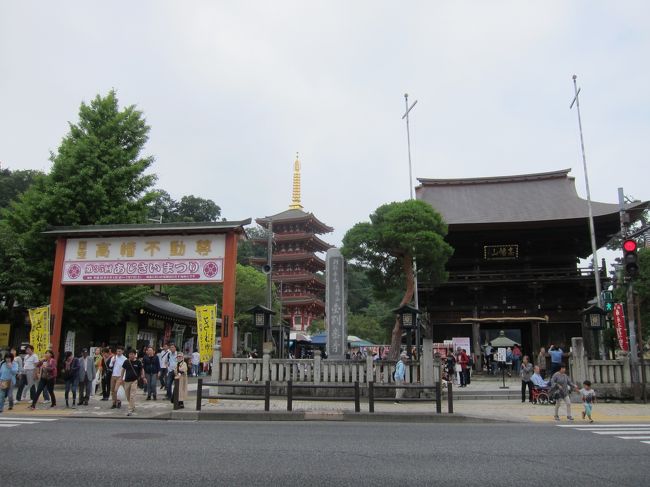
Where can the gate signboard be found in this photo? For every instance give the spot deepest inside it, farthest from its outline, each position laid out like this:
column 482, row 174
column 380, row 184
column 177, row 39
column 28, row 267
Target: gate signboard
column 144, row 260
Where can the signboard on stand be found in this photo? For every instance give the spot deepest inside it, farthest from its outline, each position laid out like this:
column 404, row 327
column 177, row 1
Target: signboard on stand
column 501, row 354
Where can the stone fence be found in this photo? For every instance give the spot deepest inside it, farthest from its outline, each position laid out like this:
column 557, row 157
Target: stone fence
column 315, row 371
column 610, row 378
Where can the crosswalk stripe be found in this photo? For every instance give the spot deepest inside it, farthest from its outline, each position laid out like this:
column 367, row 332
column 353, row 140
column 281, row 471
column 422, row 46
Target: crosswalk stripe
column 619, row 425
column 9, row 421
column 639, row 432
column 621, row 432
column 7, row 425
column 19, row 418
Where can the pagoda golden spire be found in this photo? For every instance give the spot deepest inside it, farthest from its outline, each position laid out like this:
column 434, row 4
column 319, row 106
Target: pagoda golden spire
column 295, row 197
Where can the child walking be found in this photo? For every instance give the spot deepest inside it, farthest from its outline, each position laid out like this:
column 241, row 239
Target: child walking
column 588, row 399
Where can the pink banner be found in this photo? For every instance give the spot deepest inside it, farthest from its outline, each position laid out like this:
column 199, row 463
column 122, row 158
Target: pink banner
column 143, row 271
column 619, row 325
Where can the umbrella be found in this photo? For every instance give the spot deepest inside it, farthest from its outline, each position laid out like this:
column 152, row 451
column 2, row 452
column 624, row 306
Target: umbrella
column 355, row 341
column 299, row 337
column 319, row 338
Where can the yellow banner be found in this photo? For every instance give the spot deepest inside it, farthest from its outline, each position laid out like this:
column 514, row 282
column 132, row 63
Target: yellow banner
column 206, row 320
column 4, row 334
column 39, row 337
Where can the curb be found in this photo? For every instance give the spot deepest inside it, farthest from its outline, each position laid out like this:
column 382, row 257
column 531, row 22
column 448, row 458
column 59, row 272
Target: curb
column 326, row 416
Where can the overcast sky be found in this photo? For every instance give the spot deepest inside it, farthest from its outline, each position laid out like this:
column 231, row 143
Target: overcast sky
column 232, row 90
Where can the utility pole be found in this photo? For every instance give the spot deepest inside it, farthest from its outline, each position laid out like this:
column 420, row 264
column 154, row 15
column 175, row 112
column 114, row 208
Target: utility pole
column 592, row 232
column 269, row 277
column 415, row 265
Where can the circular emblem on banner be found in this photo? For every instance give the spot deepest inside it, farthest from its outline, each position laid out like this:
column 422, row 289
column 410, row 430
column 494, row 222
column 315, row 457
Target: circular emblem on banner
column 74, row 271
column 210, row 269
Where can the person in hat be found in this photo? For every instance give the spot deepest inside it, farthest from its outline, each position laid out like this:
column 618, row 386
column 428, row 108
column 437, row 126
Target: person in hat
column 180, row 376
column 86, row 375
column 400, row 376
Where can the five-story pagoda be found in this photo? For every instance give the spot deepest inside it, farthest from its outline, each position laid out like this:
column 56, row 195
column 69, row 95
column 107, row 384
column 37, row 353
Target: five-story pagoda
column 296, row 269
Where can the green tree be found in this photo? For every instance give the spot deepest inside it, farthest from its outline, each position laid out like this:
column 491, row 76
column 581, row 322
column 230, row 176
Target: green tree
column 14, row 183
column 386, row 246
column 250, row 289
column 248, row 248
column 189, row 209
column 97, row 177
column 642, row 290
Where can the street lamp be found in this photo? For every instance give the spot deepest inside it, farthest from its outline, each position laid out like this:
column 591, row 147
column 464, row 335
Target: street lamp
column 594, row 317
column 262, row 319
column 408, row 318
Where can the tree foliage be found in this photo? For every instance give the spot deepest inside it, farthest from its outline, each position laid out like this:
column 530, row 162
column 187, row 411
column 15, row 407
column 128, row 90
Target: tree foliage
column 14, row 183
column 386, row 246
column 97, row 177
column 189, row 209
column 642, row 289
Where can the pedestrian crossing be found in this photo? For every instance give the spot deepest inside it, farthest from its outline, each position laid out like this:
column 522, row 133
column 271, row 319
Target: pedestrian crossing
column 623, row 431
column 13, row 421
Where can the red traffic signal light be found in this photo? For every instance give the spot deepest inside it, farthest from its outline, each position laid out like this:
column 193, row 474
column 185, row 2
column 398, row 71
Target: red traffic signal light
column 629, row 246
column 630, row 259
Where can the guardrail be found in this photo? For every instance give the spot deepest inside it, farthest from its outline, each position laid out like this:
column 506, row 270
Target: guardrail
column 356, row 398
column 291, row 386
column 437, row 398
column 200, row 396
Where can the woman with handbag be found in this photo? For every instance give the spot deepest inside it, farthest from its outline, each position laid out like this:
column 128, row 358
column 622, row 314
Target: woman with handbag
column 47, row 377
column 8, row 371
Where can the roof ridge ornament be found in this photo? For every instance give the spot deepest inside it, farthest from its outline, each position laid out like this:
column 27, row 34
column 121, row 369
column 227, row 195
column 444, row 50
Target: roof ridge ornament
column 295, row 197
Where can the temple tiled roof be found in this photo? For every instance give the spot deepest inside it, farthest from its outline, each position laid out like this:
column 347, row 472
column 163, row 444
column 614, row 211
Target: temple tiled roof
column 549, row 196
column 164, row 309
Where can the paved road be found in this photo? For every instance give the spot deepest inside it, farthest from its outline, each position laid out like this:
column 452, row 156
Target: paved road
column 148, row 452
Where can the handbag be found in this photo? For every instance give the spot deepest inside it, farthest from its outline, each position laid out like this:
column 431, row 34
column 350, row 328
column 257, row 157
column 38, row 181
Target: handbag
column 5, row 384
column 121, row 394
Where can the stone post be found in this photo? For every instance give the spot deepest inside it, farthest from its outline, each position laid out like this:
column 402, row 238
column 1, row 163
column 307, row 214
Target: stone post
column 370, row 369
column 627, row 372
column 266, row 367
column 426, row 363
column 579, row 360
column 216, row 369
column 317, row 363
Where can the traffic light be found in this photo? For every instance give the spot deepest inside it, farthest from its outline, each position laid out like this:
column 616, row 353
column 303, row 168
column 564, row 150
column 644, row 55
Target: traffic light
column 608, row 301
column 630, row 259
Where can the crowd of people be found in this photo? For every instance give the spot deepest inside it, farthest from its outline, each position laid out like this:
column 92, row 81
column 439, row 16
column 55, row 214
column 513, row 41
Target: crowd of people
column 112, row 372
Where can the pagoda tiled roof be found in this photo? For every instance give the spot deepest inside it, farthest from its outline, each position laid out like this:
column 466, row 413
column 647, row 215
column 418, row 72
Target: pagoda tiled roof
column 540, row 197
column 297, row 216
column 318, row 244
column 297, row 278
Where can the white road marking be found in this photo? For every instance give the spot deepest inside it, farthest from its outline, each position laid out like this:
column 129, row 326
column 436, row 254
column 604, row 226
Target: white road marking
column 639, row 431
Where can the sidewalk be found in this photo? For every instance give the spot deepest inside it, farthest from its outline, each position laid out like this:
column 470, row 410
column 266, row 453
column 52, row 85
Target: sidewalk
column 507, row 410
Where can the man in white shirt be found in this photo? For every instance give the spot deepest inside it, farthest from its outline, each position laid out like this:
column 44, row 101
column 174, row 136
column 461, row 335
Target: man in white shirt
column 196, row 361
column 163, row 357
column 116, row 364
column 29, row 367
column 171, row 370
